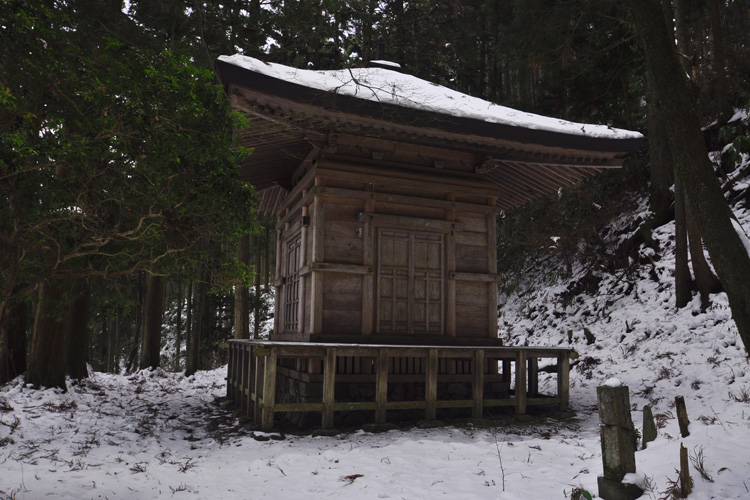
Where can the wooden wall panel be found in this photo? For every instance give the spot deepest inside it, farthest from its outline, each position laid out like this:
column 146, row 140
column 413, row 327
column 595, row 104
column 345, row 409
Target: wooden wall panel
column 342, row 303
column 342, row 244
column 472, row 222
column 471, row 309
column 409, row 210
column 471, row 259
column 471, row 321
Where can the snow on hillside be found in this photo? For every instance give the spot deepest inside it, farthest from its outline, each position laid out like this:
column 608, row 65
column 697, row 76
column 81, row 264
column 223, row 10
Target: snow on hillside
column 162, row 435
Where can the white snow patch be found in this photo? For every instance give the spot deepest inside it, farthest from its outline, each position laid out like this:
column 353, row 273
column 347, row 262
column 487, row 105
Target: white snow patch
column 613, row 382
column 382, row 85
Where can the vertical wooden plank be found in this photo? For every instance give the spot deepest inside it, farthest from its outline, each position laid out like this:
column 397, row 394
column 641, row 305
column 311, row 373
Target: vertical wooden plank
column 477, row 386
column 532, row 376
column 260, row 369
column 368, row 280
column 302, row 283
column 240, row 367
column 269, row 390
column 492, row 269
column 521, row 382
column 278, row 289
column 563, row 380
column 381, row 386
column 431, row 389
column 318, row 256
column 450, row 266
column 329, row 385
column 251, row 366
column 230, row 372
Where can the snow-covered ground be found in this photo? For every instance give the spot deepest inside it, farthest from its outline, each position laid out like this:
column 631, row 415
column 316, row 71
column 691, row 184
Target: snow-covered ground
column 163, row 435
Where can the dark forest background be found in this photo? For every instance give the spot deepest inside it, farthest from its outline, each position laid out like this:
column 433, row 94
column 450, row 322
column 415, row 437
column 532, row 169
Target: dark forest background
column 121, row 211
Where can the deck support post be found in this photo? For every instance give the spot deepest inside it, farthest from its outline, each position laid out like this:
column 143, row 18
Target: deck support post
column 478, row 384
column 521, row 382
column 431, row 390
column 563, row 380
column 250, row 377
column 533, row 376
column 381, row 386
column 269, row 390
column 329, row 386
column 231, row 379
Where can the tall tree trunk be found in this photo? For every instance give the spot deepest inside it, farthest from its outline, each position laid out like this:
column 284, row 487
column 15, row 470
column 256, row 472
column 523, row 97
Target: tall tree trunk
column 705, row 280
column 682, row 278
column 193, row 361
column 151, row 349
column 703, row 193
column 47, row 356
column 662, row 166
column 188, row 320
column 719, row 60
column 77, row 325
column 683, row 39
column 13, row 341
column 241, row 295
column 178, row 328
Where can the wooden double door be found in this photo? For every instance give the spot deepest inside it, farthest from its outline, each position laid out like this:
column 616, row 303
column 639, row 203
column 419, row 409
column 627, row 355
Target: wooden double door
column 410, row 296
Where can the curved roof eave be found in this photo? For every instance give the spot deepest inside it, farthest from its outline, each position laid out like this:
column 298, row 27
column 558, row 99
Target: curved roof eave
column 271, row 86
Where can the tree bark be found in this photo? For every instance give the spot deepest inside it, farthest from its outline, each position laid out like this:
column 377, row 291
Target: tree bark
column 78, row 331
column 178, row 328
column 13, row 341
column 47, row 357
column 662, row 166
column 719, row 60
column 703, row 194
column 151, row 349
column 193, row 362
column 682, row 277
column 705, row 280
column 241, row 295
column 683, row 39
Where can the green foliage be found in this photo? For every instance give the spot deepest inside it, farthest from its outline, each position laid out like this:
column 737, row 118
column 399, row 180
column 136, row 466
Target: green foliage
column 114, row 157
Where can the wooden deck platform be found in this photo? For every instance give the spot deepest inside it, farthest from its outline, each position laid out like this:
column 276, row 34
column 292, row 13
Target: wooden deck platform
column 254, row 366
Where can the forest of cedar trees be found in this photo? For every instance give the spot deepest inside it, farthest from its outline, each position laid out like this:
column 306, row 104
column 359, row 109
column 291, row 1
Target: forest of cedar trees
column 128, row 241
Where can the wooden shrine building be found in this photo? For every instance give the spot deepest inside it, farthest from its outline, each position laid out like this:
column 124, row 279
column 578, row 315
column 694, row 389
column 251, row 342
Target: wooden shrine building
column 386, row 190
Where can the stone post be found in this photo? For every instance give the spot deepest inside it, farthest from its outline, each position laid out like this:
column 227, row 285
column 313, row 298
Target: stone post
column 618, row 442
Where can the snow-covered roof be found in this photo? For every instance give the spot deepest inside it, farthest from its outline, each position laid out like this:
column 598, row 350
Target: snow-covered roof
column 392, row 87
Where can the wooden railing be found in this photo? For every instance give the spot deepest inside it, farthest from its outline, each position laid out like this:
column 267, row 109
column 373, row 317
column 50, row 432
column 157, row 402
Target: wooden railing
column 254, row 365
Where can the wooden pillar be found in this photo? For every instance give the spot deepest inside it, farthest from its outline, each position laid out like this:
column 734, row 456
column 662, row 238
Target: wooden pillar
column 563, row 380
column 381, row 386
column 277, row 278
column 316, row 295
column 478, row 384
column 238, row 379
column 521, row 382
column 302, row 283
column 492, row 269
column 450, row 290
column 269, row 390
column 329, row 386
column 260, row 368
column 250, row 394
column 368, row 280
column 532, row 376
column 431, row 389
column 230, row 372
